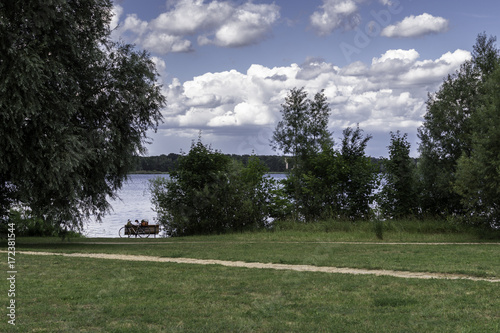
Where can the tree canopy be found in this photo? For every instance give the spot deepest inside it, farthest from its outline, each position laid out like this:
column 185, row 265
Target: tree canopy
column 446, row 133
column 324, row 182
column 75, row 107
column 397, row 198
column 478, row 175
column 303, row 129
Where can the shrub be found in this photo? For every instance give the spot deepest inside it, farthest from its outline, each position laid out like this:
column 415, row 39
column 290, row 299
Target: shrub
column 27, row 225
column 210, row 193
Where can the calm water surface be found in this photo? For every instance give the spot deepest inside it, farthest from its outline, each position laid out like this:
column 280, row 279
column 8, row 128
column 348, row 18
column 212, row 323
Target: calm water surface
column 134, row 204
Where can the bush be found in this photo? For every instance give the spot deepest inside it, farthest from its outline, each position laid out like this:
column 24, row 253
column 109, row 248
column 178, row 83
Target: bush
column 31, row 226
column 209, row 193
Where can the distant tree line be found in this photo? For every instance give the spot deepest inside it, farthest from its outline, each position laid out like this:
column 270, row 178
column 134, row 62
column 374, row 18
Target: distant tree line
column 167, row 163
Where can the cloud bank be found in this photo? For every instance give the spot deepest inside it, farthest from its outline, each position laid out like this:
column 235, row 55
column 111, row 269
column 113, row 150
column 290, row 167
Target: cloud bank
column 221, row 23
column 387, row 95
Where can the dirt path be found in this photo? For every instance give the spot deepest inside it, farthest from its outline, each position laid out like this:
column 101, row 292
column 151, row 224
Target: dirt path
column 280, row 242
column 300, row 268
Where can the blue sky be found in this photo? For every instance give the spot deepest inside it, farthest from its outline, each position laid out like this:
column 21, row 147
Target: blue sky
column 226, row 66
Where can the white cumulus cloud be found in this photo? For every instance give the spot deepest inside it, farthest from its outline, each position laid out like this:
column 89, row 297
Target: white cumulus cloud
column 162, row 43
column 335, row 14
column 222, row 23
column 406, row 56
column 417, row 26
column 427, row 71
column 188, row 17
column 250, row 24
column 387, row 95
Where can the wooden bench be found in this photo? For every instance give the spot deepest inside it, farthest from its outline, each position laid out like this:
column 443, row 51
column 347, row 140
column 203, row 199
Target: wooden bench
column 152, row 229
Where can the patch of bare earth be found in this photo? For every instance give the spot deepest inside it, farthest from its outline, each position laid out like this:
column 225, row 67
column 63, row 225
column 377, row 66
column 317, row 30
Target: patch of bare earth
column 300, row 268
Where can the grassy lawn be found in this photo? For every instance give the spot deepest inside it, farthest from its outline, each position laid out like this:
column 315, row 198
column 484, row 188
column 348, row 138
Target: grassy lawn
column 89, row 295
column 345, row 248
column 61, row 294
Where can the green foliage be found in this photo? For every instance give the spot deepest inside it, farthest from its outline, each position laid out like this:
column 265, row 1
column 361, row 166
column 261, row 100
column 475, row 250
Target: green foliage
column 280, row 206
column 6, row 199
column 209, row 193
column 32, row 226
column 302, row 132
column 485, row 55
column 336, row 184
column 478, row 175
column 358, row 177
column 291, row 134
column 253, row 192
column 75, row 108
column 324, row 182
column 459, row 167
column 27, row 225
column 397, row 198
column 446, row 133
column 444, row 136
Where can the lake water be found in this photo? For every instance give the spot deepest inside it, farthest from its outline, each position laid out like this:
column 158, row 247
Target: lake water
column 134, row 204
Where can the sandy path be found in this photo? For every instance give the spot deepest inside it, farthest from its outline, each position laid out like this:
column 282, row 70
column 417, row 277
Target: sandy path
column 300, row 268
column 281, row 242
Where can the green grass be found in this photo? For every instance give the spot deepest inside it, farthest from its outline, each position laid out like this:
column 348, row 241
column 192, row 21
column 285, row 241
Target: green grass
column 393, row 230
column 61, row 294
column 58, row 294
column 476, row 260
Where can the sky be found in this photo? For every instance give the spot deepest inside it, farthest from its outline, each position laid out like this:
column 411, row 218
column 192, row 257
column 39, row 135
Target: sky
column 226, row 66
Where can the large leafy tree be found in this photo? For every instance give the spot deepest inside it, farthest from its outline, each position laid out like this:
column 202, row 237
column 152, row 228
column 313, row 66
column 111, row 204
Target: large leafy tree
column 74, row 107
column 303, row 133
column 478, row 175
column 446, row 133
column 303, row 129
column 324, row 182
column 357, row 176
column 340, row 183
